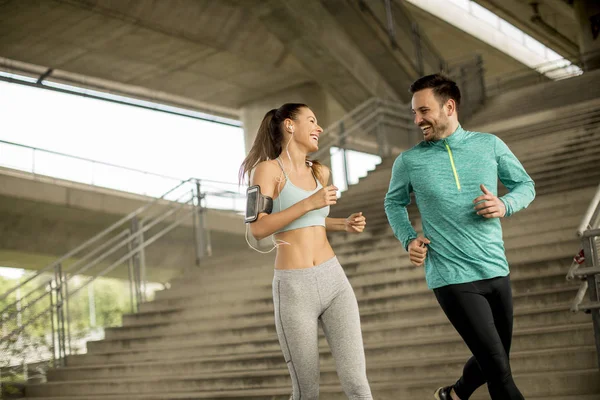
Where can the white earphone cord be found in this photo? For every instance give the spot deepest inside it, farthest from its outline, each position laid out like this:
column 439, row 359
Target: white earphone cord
column 278, row 242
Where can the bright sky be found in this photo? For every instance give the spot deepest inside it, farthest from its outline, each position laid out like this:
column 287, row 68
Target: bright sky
column 152, row 141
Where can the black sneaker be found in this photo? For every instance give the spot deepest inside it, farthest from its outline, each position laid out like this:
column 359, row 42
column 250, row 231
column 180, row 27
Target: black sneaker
column 443, row 393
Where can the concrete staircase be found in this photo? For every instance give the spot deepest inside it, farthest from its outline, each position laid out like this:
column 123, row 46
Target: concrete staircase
column 212, row 335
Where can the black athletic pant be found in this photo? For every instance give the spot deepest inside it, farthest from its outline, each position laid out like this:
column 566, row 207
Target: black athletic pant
column 482, row 313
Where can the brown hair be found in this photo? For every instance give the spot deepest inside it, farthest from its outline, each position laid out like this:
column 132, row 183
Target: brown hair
column 443, row 87
column 268, row 142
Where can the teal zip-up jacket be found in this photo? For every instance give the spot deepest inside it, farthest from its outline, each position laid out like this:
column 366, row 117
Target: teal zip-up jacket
column 445, row 177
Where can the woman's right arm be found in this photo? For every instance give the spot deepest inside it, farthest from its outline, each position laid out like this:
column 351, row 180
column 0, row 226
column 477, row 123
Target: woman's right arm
column 265, row 176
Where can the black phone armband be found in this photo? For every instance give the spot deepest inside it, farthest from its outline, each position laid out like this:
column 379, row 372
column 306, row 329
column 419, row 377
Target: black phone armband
column 256, row 203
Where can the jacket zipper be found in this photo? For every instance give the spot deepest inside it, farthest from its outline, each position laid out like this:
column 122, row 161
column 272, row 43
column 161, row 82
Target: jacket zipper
column 453, row 166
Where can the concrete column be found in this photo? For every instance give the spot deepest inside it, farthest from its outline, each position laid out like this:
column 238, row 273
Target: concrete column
column 587, row 13
column 326, row 109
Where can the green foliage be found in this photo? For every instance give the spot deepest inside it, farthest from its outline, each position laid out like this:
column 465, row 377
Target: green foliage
column 34, row 340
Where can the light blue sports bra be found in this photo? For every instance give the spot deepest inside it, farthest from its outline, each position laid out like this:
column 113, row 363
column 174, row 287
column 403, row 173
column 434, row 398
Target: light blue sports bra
column 290, row 195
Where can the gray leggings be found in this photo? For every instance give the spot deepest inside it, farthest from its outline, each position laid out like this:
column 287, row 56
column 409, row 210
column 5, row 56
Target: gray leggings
column 302, row 298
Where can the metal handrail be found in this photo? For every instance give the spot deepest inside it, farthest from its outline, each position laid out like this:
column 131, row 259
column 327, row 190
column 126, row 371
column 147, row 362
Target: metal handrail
column 102, row 256
column 124, row 219
column 57, row 288
column 589, row 273
column 592, row 213
column 137, row 249
column 93, row 239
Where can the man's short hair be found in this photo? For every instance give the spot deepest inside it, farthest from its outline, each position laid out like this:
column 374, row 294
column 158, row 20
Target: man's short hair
column 443, row 87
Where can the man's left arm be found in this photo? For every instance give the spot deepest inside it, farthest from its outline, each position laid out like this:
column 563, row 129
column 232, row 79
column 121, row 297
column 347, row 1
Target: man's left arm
column 521, row 188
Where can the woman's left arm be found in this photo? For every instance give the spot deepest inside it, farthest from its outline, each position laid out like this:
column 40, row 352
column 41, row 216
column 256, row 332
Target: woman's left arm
column 335, row 224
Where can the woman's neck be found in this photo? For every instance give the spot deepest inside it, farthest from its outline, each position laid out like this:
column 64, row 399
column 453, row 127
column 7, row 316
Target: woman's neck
column 296, row 159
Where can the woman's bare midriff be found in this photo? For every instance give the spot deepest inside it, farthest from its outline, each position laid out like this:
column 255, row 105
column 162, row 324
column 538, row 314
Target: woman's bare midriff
column 307, row 247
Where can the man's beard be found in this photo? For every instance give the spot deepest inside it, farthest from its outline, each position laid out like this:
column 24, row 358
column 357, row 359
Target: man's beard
column 437, row 131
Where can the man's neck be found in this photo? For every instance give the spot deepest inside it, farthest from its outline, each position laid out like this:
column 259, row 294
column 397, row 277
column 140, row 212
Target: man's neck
column 452, row 127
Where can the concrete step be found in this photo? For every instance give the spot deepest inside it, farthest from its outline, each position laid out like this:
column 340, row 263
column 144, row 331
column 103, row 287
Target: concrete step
column 394, row 258
column 200, row 323
column 419, row 302
column 584, row 146
column 272, row 394
column 568, row 120
column 581, row 381
column 525, row 361
column 404, row 284
column 386, row 283
column 543, row 141
column 386, row 254
column 543, row 97
column 380, row 324
column 418, row 298
column 120, row 351
column 547, row 121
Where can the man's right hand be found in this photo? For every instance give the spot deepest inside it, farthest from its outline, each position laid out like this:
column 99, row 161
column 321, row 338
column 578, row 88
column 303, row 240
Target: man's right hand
column 417, row 250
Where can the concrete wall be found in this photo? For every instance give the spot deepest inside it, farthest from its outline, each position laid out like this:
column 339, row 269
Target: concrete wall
column 43, row 218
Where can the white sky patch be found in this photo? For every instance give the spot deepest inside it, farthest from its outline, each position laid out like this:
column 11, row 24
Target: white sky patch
column 129, row 136
column 11, row 273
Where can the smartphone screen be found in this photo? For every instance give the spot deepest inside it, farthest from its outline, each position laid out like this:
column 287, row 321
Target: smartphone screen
column 251, row 203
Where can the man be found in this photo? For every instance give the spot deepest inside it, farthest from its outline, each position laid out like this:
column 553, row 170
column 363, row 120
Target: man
column 453, row 174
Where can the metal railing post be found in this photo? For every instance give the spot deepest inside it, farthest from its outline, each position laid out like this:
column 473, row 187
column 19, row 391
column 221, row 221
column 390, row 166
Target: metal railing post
column 135, row 227
column 142, row 263
column 202, row 238
column 591, row 261
column 60, row 314
column 196, row 225
column 68, row 319
column 51, row 291
column 21, row 339
column 130, row 268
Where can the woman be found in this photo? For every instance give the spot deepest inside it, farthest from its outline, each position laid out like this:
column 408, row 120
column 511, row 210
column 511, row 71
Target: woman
column 309, row 284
